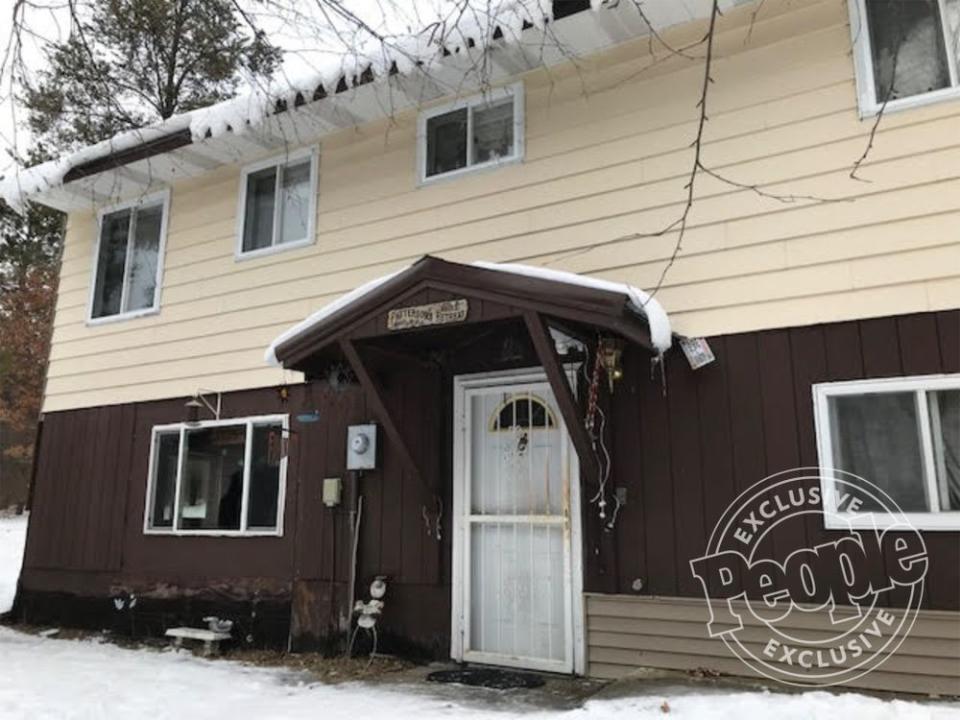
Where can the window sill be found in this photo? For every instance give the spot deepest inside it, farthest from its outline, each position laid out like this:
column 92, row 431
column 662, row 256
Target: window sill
column 120, row 317
column 214, row 533
column 926, row 521
column 272, row 250
column 469, row 170
column 908, row 103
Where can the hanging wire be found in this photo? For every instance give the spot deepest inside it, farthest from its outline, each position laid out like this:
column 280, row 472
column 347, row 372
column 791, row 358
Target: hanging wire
column 597, row 435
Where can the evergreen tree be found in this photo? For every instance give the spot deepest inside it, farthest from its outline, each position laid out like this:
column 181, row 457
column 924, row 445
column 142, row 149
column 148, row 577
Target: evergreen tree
column 126, row 63
column 132, row 62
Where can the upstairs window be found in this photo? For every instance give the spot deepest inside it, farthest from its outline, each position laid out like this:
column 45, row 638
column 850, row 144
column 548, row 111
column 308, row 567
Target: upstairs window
column 278, row 204
column 903, row 436
column 908, row 51
column 479, row 132
column 128, row 260
column 222, row 477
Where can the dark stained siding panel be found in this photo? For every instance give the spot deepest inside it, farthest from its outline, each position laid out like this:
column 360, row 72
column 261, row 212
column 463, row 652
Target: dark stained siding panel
column 719, row 483
column 781, row 446
column 948, row 330
column 753, row 411
column 626, row 423
column 659, row 520
column 690, row 538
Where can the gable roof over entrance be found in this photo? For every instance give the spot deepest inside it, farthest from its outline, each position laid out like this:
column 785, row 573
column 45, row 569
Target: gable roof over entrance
column 491, row 290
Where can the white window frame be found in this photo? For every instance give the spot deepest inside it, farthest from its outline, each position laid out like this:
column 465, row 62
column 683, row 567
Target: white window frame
column 868, row 102
column 276, row 161
column 161, row 198
column 249, row 422
column 933, row 519
column 514, row 91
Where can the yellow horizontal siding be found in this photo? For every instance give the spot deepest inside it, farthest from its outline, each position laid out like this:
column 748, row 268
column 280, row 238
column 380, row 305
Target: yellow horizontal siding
column 607, row 154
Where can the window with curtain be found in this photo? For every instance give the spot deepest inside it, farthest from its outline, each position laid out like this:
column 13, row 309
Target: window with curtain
column 907, row 50
column 901, row 435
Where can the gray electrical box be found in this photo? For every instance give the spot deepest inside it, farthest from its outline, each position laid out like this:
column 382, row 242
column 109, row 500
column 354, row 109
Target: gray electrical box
column 362, row 447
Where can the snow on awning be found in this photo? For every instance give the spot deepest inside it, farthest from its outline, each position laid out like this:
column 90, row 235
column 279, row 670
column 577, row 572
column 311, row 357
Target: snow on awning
column 640, row 302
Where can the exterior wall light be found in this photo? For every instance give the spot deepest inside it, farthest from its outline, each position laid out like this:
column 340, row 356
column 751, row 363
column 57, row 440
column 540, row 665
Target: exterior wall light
column 611, row 353
column 199, row 401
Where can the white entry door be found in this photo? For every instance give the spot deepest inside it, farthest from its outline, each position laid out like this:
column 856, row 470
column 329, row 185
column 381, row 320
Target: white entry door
column 517, row 576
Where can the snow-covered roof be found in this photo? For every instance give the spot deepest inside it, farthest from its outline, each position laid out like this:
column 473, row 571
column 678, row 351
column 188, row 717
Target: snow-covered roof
column 661, row 335
column 371, row 82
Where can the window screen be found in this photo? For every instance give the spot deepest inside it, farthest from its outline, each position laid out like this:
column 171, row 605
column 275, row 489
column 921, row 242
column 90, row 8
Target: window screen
column 914, row 46
column 901, row 436
column 877, row 437
column 482, row 133
column 278, row 205
column 128, row 260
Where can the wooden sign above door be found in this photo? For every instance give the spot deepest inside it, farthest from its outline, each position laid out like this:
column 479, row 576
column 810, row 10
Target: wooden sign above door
column 438, row 313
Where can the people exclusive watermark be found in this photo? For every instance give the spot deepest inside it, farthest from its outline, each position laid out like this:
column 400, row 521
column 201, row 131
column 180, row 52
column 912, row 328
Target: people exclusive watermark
column 812, row 590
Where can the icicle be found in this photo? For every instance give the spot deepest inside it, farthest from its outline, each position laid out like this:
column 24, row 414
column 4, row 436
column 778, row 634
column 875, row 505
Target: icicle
column 655, row 363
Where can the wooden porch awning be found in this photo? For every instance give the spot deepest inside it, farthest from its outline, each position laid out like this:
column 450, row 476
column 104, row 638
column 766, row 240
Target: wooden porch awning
column 490, row 291
column 434, row 295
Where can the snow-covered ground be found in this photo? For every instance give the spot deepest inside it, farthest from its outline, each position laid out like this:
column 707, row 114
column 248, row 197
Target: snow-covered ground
column 13, row 533
column 86, row 680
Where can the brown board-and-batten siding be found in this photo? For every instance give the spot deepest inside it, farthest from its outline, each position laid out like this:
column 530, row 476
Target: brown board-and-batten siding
column 684, row 447
column 710, row 435
column 681, row 453
column 86, row 543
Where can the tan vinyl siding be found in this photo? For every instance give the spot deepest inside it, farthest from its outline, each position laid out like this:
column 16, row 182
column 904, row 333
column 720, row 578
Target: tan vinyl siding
column 607, row 154
column 625, row 633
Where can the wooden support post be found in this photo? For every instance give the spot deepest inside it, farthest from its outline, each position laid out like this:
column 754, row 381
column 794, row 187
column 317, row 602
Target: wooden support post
column 379, row 407
column 572, row 417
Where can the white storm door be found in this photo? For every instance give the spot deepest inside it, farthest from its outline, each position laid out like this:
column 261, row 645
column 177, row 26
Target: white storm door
column 513, row 549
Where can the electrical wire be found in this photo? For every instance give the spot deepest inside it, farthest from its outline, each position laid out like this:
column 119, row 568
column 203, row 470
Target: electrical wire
column 604, row 460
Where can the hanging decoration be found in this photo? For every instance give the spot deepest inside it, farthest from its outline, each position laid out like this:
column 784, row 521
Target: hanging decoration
column 597, row 432
column 339, row 377
column 593, row 393
column 610, row 353
column 433, row 526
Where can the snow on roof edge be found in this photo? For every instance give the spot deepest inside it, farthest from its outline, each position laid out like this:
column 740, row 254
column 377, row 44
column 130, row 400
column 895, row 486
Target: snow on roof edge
column 314, row 319
column 416, row 50
column 17, row 188
column 661, row 333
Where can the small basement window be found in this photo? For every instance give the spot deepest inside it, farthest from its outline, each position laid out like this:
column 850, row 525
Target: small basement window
column 902, row 435
column 278, row 204
column 223, row 477
column 907, row 52
column 129, row 257
column 483, row 131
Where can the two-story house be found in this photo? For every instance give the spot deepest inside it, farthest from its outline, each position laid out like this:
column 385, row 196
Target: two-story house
column 394, row 324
